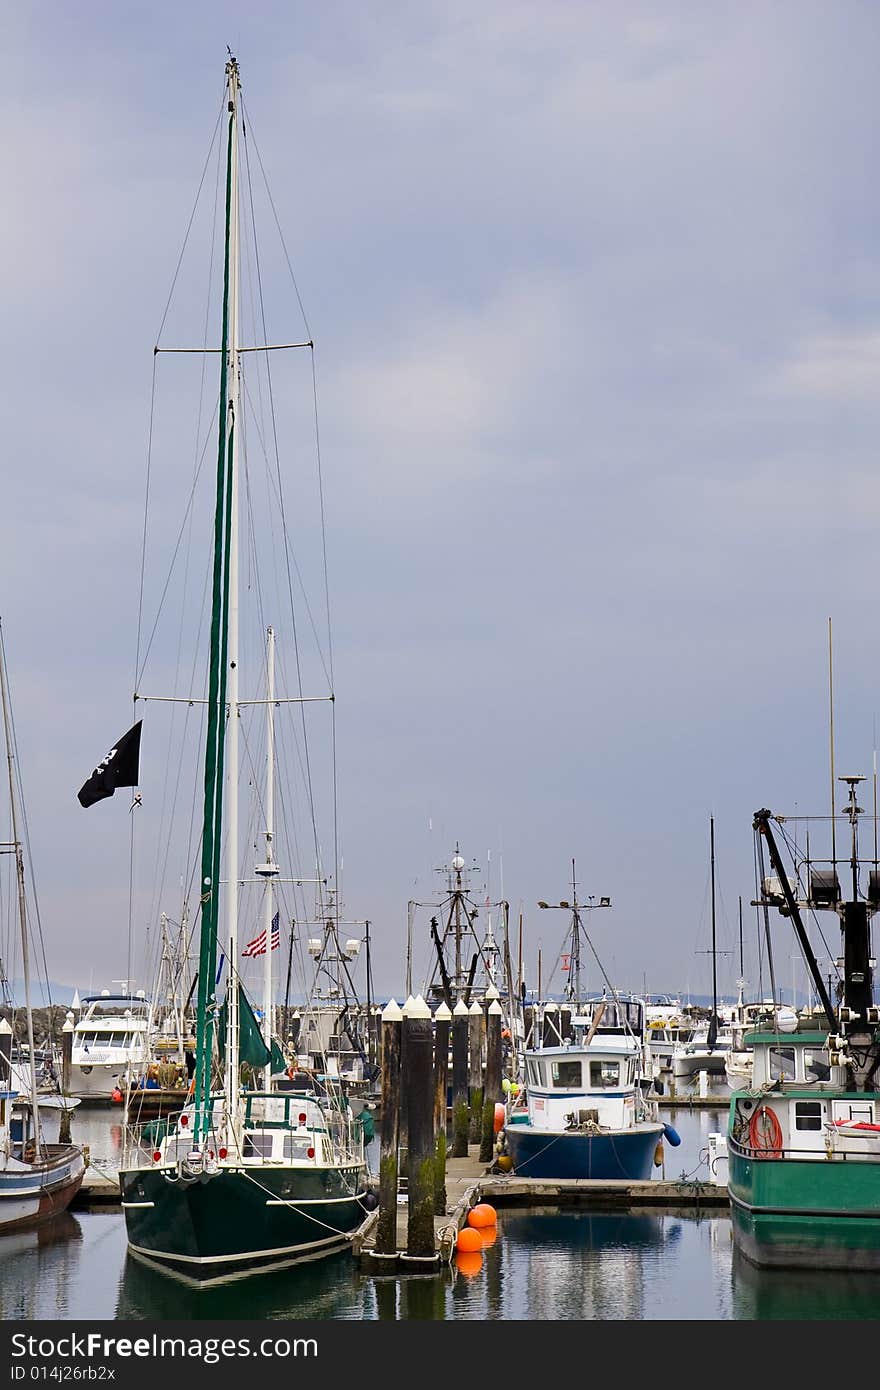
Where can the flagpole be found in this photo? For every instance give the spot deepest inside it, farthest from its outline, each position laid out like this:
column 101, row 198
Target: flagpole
column 270, row 869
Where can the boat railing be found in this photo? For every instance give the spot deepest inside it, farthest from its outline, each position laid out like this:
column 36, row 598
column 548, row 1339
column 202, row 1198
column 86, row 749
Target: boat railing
column 832, row 1148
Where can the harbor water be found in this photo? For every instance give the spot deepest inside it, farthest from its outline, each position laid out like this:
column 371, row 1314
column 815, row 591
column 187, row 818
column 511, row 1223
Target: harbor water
column 544, row 1264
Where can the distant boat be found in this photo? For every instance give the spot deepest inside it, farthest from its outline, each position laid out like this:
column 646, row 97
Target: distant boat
column 668, row 1027
column 803, row 1137
column 38, row 1178
column 707, row 1048
column 587, row 1112
column 112, row 1041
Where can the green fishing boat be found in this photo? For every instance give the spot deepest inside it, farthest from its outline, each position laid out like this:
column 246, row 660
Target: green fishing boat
column 803, row 1137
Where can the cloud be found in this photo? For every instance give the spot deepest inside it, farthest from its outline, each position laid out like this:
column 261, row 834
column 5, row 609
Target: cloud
column 832, row 366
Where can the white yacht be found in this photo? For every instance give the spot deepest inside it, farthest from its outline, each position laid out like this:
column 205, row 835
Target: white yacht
column 668, row 1026
column 113, row 1038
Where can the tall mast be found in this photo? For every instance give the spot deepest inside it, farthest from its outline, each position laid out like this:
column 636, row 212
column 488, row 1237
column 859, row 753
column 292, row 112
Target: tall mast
column 232, row 872
column 209, row 934
column 269, row 870
column 22, row 905
column 574, row 976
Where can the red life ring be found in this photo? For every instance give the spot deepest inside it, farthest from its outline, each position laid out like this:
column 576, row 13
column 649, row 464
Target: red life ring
column 765, row 1133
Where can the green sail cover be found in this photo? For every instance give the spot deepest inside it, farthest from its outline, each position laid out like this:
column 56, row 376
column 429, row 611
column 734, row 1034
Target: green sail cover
column 278, row 1062
column 251, row 1047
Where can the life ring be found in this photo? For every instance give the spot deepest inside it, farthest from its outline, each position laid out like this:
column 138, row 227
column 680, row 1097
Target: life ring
column 765, row 1133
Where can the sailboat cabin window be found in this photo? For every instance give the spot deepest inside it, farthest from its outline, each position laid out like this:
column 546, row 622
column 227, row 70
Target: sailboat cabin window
column 257, row 1144
column 566, row 1073
column 604, row 1074
column 782, row 1066
column 807, row 1114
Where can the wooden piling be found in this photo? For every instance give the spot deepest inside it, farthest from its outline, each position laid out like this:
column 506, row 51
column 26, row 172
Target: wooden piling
column 417, row 1083
column 476, row 1034
column 6, row 1055
column 442, row 1022
column 66, row 1052
column 493, row 1080
column 460, row 1113
column 386, row 1230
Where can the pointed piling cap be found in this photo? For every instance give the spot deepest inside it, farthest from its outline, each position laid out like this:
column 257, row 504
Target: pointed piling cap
column 408, row 1004
column 495, row 1008
column 475, row 1010
column 443, row 1012
column 419, row 1008
column 491, row 993
column 391, row 1012
column 460, row 1008
column 5, row 1026
column 68, row 1025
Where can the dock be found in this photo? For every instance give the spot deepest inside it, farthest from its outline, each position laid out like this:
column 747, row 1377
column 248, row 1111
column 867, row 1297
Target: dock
column 468, row 1182
column 99, row 1192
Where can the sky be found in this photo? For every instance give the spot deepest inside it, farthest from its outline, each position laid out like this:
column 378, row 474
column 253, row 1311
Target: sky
column 595, row 294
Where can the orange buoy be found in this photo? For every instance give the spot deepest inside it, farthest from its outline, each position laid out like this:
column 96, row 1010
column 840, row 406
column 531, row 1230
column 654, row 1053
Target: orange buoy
column 116, row 1096
column 499, row 1117
column 488, row 1235
column 469, row 1262
column 482, row 1215
column 468, row 1240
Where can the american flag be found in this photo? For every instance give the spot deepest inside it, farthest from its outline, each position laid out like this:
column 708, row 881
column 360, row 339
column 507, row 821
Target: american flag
column 257, row 947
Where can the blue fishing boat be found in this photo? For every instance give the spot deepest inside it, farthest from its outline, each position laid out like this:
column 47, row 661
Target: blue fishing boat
column 590, row 1109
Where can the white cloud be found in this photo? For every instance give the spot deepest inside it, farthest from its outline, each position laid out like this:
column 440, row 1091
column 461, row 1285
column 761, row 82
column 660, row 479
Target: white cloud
column 842, row 365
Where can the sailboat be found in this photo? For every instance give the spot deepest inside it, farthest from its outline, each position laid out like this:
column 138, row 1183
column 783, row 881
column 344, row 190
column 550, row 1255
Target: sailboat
column 707, row 1048
column 37, row 1179
column 803, row 1137
column 241, row 1179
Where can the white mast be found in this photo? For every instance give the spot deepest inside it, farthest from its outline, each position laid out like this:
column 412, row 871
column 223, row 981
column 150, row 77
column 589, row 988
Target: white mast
column 233, row 425
column 269, row 870
column 22, row 906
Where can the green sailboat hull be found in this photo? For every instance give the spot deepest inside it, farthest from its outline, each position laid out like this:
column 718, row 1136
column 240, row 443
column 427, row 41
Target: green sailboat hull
column 805, row 1213
column 240, row 1220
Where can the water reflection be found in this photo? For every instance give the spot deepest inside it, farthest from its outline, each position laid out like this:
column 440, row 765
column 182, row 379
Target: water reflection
column 325, row 1288
column 801, row 1293
column 38, row 1267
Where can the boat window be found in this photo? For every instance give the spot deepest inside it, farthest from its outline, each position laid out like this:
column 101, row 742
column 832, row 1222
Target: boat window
column 257, row 1145
column 604, row 1074
column 566, row 1073
column 807, row 1114
column 782, row 1066
column 534, row 1072
column 817, row 1065
column 295, row 1148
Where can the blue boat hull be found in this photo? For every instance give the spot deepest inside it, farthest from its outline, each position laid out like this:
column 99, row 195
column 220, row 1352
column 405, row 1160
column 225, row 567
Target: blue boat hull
column 541, row 1153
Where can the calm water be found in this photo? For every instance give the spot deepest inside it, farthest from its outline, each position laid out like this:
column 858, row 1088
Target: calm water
column 542, row 1265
